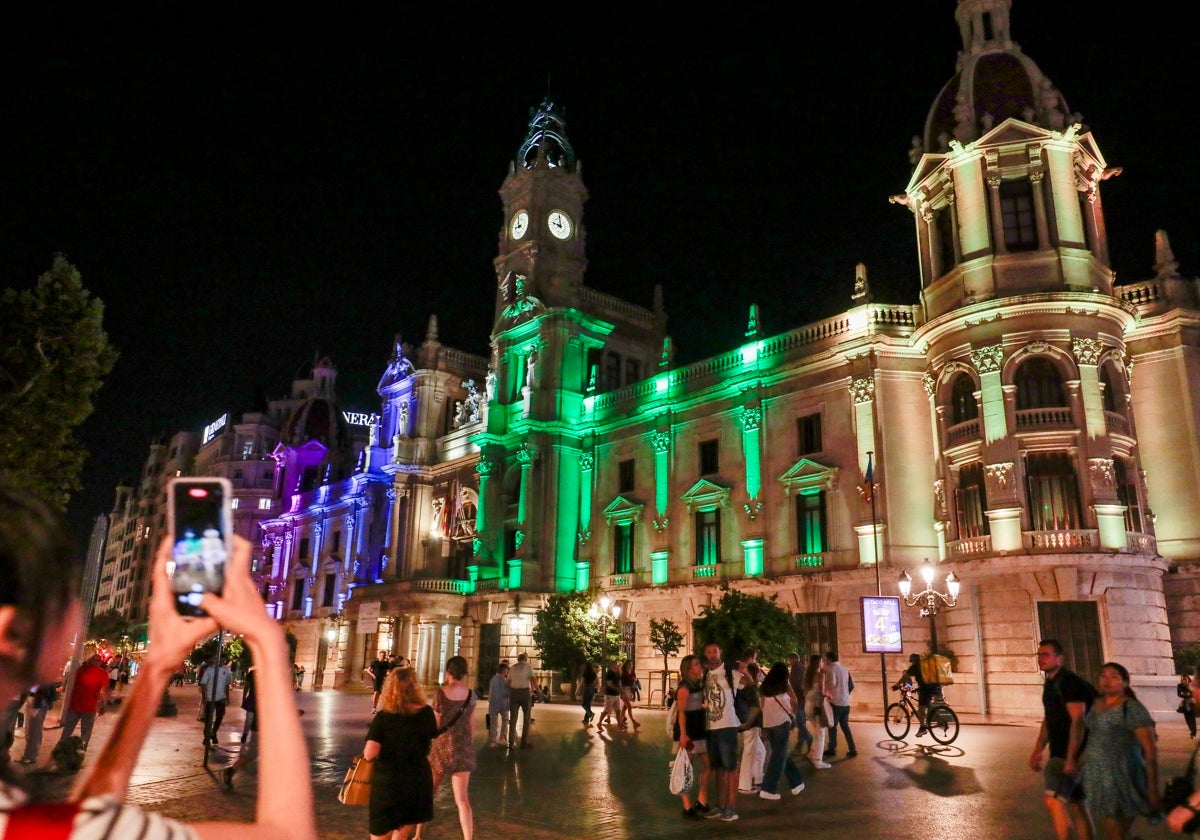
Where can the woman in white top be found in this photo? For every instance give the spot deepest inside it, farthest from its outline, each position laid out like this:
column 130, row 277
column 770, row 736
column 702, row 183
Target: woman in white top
column 814, row 706
column 40, row 613
column 778, row 711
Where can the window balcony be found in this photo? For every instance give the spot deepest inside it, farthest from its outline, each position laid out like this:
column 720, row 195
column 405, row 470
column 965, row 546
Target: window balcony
column 1117, row 423
column 970, row 547
column 623, row 580
column 1057, row 417
column 963, row 432
column 1060, row 541
column 446, row 586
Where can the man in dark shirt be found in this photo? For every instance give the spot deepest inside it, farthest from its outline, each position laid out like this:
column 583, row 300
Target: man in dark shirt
column 1065, row 700
column 927, row 692
column 612, row 697
column 377, row 670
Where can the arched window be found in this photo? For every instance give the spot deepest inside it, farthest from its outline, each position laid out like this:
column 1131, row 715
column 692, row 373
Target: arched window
column 963, row 406
column 1108, row 392
column 1039, row 385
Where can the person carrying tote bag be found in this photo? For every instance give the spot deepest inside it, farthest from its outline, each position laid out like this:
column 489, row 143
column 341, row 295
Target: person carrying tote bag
column 398, row 742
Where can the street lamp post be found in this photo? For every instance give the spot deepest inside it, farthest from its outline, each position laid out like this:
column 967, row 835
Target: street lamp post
column 606, row 612
column 929, row 599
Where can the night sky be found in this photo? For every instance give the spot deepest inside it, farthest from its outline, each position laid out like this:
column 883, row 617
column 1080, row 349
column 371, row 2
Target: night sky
column 246, row 193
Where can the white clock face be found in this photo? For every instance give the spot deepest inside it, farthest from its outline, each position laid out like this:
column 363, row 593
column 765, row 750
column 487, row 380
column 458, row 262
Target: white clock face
column 520, row 224
column 560, row 224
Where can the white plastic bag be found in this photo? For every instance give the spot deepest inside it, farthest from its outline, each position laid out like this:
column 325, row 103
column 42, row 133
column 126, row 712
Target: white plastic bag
column 681, row 772
column 670, row 721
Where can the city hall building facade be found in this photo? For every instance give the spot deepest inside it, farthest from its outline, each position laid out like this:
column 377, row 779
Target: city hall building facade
column 1026, row 424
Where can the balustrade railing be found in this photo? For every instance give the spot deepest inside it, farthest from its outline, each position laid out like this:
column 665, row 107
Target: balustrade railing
column 1029, row 418
column 1116, row 423
column 963, row 432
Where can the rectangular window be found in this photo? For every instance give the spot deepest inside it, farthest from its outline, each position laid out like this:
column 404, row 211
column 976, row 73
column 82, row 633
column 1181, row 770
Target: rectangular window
column 303, row 554
column 623, row 548
column 811, row 527
column 710, row 460
column 971, row 502
column 264, row 504
column 1127, row 494
column 633, row 371
column 1016, row 211
column 818, row 634
column 298, row 594
column 708, row 537
column 625, row 476
column 1076, row 626
column 247, row 448
column 234, row 504
column 1053, row 492
column 612, row 371
column 329, row 590
column 335, row 541
column 808, row 433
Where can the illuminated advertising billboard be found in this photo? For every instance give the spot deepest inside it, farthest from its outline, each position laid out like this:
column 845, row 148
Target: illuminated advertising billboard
column 881, row 624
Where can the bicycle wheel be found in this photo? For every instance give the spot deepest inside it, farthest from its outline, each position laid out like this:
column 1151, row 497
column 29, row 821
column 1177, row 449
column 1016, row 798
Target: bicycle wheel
column 943, row 724
column 896, row 721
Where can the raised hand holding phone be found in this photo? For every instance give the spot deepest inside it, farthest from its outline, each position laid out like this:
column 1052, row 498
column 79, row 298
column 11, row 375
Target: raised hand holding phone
column 200, row 519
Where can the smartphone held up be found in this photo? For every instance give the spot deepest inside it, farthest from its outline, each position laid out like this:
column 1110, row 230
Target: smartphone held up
column 200, row 518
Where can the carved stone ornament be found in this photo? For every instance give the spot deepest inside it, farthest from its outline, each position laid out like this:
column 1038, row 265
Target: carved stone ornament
column 484, row 467
column 930, row 383
column 1100, row 471
column 277, row 542
column 999, row 478
column 518, row 538
column 318, row 530
column 661, row 442
column 988, row 359
column 753, row 509
column 439, row 507
column 939, row 498
column 1037, row 347
column 1129, row 368
column 751, row 418
column 862, row 390
column 585, row 536
column 660, row 524
column 587, row 461
column 1087, row 350
column 390, row 493
column 526, row 456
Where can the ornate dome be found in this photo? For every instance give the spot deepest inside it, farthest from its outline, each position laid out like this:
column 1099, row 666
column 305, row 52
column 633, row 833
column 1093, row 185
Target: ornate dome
column 995, row 81
column 319, row 419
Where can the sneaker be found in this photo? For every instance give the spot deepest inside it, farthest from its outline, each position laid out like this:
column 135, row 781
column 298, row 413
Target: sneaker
column 921, row 732
column 745, row 790
column 715, row 814
column 690, row 814
column 798, row 789
column 729, row 815
column 822, row 765
column 700, row 807
column 762, row 794
column 852, row 753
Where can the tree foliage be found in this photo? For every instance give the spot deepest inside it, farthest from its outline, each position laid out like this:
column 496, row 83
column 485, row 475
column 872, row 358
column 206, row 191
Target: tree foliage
column 53, row 358
column 566, row 634
column 665, row 638
column 111, row 625
column 740, row 621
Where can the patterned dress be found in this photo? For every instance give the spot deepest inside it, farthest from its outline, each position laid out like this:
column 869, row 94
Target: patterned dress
column 453, row 750
column 1114, row 775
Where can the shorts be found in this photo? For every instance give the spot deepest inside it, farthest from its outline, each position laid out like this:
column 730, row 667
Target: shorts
column 723, row 748
column 1055, row 779
column 612, row 704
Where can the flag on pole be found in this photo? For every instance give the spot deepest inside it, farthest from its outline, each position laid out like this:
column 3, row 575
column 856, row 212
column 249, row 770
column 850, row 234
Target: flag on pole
column 867, row 488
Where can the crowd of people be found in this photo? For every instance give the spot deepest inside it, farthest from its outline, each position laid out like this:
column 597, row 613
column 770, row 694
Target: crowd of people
column 735, row 722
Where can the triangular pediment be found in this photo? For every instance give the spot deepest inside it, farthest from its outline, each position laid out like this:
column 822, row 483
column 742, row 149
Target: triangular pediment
column 1012, row 130
column 808, row 475
column 705, row 494
column 622, row 509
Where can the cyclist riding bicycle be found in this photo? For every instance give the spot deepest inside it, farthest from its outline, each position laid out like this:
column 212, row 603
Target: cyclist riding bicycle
column 926, row 692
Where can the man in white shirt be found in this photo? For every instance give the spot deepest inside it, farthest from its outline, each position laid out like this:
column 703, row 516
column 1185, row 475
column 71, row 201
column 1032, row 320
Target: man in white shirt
column 837, row 686
column 214, row 686
column 520, row 699
column 723, row 726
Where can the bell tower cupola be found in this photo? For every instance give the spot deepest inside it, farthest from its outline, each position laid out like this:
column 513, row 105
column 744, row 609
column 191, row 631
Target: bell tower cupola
column 543, row 238
column 1006, row 182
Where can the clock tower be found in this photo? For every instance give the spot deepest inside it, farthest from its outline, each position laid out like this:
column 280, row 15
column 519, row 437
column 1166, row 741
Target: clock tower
column 542, row 239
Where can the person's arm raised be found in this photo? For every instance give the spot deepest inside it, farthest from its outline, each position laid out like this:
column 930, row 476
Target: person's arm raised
column 285, row 805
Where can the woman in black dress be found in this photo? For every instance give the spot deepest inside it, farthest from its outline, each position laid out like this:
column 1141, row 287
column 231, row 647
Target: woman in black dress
column 398, row 741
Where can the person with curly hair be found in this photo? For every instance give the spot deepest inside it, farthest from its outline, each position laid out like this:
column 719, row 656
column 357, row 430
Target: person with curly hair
column 398, row 741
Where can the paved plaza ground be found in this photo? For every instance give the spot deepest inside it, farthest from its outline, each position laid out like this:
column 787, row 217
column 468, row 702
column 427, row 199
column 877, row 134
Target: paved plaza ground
column 577, row 783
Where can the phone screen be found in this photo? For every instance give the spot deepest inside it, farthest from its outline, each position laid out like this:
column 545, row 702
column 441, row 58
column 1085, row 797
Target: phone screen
column 201, row 522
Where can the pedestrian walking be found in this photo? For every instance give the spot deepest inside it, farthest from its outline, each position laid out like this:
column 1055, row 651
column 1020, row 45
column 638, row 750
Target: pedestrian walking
column 215, row 685
column 749, row 712
column 814, row 702
column 87, row 699
column 613, row 708
column 375, row 672
column 41, row 701
column 520, row 697
column 499, row 704
column 838, row 686
column 690, row 730
column 1120, row 775
column 1066, row 698
column 778, row 702
column 722, row 735
column 796, row 682
column 453, row 751
column 587, row 685
column 249, row 748
column 398, row 741
column 628, row 678
column 1187, row 706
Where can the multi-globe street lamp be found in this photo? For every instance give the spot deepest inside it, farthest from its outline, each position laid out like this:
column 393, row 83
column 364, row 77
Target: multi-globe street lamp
column 605, row 611
column 929, row 599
